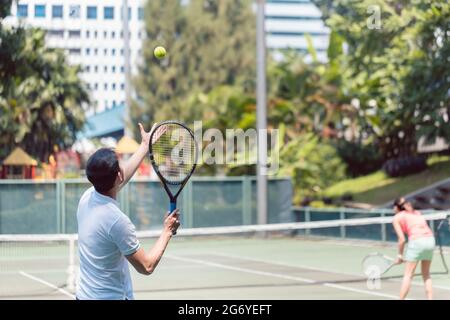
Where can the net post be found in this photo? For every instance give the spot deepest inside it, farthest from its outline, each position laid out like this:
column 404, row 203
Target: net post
column 246, row 200
column 342, row 217
column 307, row 219
column 58, row 206
column 63, row 206
column 383, row 228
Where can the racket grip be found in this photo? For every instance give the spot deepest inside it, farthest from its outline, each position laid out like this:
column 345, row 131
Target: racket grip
column 172, row 207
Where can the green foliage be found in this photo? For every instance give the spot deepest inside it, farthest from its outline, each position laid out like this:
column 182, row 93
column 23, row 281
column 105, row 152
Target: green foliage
column 209, row 44
column 5, row 7
column 312, row 164
column 399, row 72
column 361, row 158
column 41, row 96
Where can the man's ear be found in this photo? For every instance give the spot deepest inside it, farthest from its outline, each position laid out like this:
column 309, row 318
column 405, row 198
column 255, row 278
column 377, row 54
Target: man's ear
column 121, row 176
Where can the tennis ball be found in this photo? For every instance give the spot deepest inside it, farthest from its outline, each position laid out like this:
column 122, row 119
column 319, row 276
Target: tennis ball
column 159, row 52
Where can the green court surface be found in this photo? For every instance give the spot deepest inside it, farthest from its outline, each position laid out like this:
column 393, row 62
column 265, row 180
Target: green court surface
column 232, row 268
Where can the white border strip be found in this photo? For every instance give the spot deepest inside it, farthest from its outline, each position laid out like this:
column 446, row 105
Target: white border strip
column 282, row 276
column 48, row 284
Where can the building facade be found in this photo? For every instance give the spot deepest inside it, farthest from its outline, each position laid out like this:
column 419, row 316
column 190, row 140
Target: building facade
column 91, row 32
column 289, row 21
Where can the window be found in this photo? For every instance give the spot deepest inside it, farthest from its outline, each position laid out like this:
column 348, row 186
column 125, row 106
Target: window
column 105, row 69
column 108, row 13
column 141, row 13
column 39, row 10
column 114, row 88
column 113, row 35
column 95, row 51
column 96, row 86
column 129, row 13
column 95, row 34
column 22, row 10
column 57, row 11
column 121, row 52
column 96, row 70
column 88, row 68
column 122, row 86
column 92, row 12
column 121, row 34
column 88, row 34
column 74, row 12
column 105, row 52
column 74, row 34
column 89, row 86
column 88, row 51
column 105, row 34
column 113, row 69
column 75, row 51
column 139, row 35
column 122, row 69
column 105, row 86
column 113, row 52
column 57, row 33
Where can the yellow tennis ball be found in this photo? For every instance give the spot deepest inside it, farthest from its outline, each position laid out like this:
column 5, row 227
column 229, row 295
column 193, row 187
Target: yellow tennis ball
column 159, row 52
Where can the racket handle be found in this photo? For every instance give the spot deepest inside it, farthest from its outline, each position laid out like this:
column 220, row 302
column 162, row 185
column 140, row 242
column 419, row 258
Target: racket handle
column 172, row 207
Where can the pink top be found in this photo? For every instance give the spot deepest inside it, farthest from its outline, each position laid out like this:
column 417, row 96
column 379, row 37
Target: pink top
column 413, row 224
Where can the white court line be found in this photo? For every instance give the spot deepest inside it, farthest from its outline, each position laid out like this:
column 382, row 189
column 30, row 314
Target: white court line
column 282, row 276
column 48, row 284
column 419, row 284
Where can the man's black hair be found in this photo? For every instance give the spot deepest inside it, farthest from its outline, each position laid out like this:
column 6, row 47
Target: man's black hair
column 102, row 168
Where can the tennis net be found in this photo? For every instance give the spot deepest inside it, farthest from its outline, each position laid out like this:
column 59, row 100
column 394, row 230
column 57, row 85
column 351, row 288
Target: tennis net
column 46, row 266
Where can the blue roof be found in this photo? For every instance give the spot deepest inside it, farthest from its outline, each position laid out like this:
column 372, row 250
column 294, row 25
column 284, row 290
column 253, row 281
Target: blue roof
column 104, row 123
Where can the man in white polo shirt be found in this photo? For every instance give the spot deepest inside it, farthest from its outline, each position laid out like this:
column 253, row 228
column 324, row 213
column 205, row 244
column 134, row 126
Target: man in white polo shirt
column 106, row 236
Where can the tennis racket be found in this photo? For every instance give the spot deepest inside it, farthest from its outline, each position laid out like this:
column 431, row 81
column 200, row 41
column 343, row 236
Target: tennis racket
column 173, row 155
column 376, row 264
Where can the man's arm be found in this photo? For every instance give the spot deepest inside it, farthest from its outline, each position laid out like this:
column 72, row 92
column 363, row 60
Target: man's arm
column 145, row 263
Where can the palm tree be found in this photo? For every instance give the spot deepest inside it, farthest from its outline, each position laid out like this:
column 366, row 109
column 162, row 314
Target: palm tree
column 42, row 107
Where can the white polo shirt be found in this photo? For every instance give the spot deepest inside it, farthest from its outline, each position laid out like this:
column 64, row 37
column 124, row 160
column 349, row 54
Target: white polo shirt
column 105, row 236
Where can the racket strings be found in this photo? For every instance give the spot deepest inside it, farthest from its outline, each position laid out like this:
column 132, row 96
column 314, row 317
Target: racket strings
column 174, row 152
column 376, row 265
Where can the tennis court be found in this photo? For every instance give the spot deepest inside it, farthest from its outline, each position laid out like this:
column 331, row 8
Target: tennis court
column 277, row 265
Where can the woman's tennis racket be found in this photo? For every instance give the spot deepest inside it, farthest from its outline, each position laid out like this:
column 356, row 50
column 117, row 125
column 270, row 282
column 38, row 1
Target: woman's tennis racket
column 173, row 154
column 376, row 264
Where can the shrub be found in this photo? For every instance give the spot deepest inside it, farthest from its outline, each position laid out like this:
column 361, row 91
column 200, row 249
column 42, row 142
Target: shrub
column 360, row 159
column 404, row 166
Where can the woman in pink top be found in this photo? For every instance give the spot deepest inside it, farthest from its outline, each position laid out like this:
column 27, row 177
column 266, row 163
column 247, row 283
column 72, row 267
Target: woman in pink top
column 421, row 243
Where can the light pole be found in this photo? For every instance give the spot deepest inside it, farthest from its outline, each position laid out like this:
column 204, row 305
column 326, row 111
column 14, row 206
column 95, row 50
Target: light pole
column 261, row 113
column 127, row 69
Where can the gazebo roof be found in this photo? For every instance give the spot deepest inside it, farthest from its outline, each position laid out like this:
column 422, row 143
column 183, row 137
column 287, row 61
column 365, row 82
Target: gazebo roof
column 127, row 145
column 19, row 158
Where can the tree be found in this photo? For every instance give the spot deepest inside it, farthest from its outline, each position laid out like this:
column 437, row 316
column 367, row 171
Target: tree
column 209, row 43
column 397, row 72
column 41, row 96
